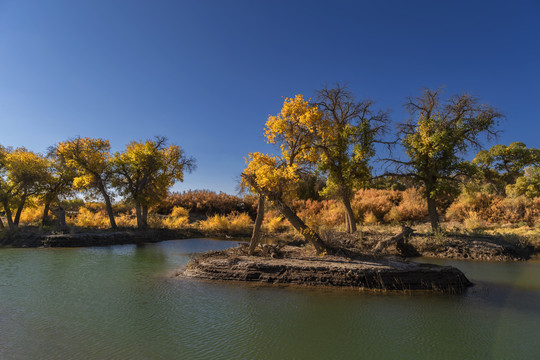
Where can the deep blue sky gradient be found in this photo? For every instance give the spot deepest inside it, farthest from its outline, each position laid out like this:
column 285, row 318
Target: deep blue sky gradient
column 207, row 74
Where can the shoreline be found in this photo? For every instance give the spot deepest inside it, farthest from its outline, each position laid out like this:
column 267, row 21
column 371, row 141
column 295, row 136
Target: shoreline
column 473, row 248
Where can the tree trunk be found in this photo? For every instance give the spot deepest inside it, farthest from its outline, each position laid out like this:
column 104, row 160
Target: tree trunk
column 299, row 225
column 290, row 215
column 19, row 212
column 144, row 216
column 350, row 221
column 1, row 224
column 400, row 241
column 8, row 216
column 433, row 214
column 45, row 217
column 60, row 219
column 108, row 205
column 257, row 228
column 138, row 212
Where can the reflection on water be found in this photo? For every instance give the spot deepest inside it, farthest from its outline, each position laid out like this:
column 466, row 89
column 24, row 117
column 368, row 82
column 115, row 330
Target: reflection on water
column 120, row 302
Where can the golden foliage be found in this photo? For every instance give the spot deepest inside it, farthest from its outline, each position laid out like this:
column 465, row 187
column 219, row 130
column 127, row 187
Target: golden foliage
column 292, row 129
column 234, row 222
column 89, row 156
column 274, row 223
column 88, row 219
column 269, row 172
column 126, row 221
column 31, row 216
column 178, row 219
column 370, row 218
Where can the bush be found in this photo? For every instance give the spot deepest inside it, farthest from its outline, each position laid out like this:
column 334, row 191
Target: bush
column 376, row 202
column 492, row 208
column 234, row 222
column 273, row 222
column 126, row 221
column 412, row 207
column 31, row 215
column 178, row 219
column 209, row 203
column 88, row 219
column 370, row 218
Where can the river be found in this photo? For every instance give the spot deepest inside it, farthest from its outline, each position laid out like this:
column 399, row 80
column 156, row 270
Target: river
column 123, row 302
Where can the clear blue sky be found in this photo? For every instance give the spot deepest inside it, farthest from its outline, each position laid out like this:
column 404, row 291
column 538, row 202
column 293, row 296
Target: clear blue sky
column 206, row 74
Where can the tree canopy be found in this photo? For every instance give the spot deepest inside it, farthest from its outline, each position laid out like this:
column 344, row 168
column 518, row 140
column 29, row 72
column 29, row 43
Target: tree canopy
column 91, row 160
column 502, row 165
column 22, row 175
column 145, row 171
column 436, row 138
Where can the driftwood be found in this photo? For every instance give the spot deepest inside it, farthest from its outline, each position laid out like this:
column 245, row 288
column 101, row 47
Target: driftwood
column 400, row 240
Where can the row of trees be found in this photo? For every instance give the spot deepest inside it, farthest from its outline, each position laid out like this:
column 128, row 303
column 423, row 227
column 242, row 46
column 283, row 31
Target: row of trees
column 336, row 136
column 143, row 174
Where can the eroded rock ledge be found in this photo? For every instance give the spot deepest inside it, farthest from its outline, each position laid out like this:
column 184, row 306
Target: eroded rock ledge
column 311, row 270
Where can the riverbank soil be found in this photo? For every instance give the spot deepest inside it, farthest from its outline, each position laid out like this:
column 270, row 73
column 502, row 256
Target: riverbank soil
column 470, row 247
column 35, row 237
column 300, row 265
column 448, row 246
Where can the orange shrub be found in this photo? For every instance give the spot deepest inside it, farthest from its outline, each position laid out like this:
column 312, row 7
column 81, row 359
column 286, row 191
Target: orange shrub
column 492, row 208
column 209, row 202
column 412, row 207
column 378, row 202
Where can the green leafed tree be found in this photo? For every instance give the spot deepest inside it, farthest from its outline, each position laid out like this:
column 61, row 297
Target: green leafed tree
column 436, row 138
column 502, row 165
column 347, row 143
column 145, row 171
column 528, row 184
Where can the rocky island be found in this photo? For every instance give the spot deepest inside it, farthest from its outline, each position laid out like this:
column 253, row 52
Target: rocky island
column 293, row 265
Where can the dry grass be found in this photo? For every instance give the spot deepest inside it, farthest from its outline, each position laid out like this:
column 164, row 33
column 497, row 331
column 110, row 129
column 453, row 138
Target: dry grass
column 178, row 219
column 88, row 219
column 234, row 223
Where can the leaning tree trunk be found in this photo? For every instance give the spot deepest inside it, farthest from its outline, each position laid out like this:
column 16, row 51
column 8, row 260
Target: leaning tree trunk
column 1, row 224
column 108, row 205
column 19, row 211
column 299, row 225
column 310, row 235
column 350, row 221
column 255, row 237
column 433, row 214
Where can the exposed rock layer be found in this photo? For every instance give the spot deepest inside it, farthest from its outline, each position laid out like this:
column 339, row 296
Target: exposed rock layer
column 379, row 274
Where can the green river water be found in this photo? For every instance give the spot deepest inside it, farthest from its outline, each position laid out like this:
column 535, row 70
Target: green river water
column 123, row 302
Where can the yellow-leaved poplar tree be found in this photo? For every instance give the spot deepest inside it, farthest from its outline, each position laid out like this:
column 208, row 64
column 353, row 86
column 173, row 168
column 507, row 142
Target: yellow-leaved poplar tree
column 274, row 178
column 22, row 174
column 145, row 171
column 91, row 160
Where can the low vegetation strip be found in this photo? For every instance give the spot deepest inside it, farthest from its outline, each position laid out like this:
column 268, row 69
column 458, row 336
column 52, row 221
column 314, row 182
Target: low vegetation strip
column 298, row 266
